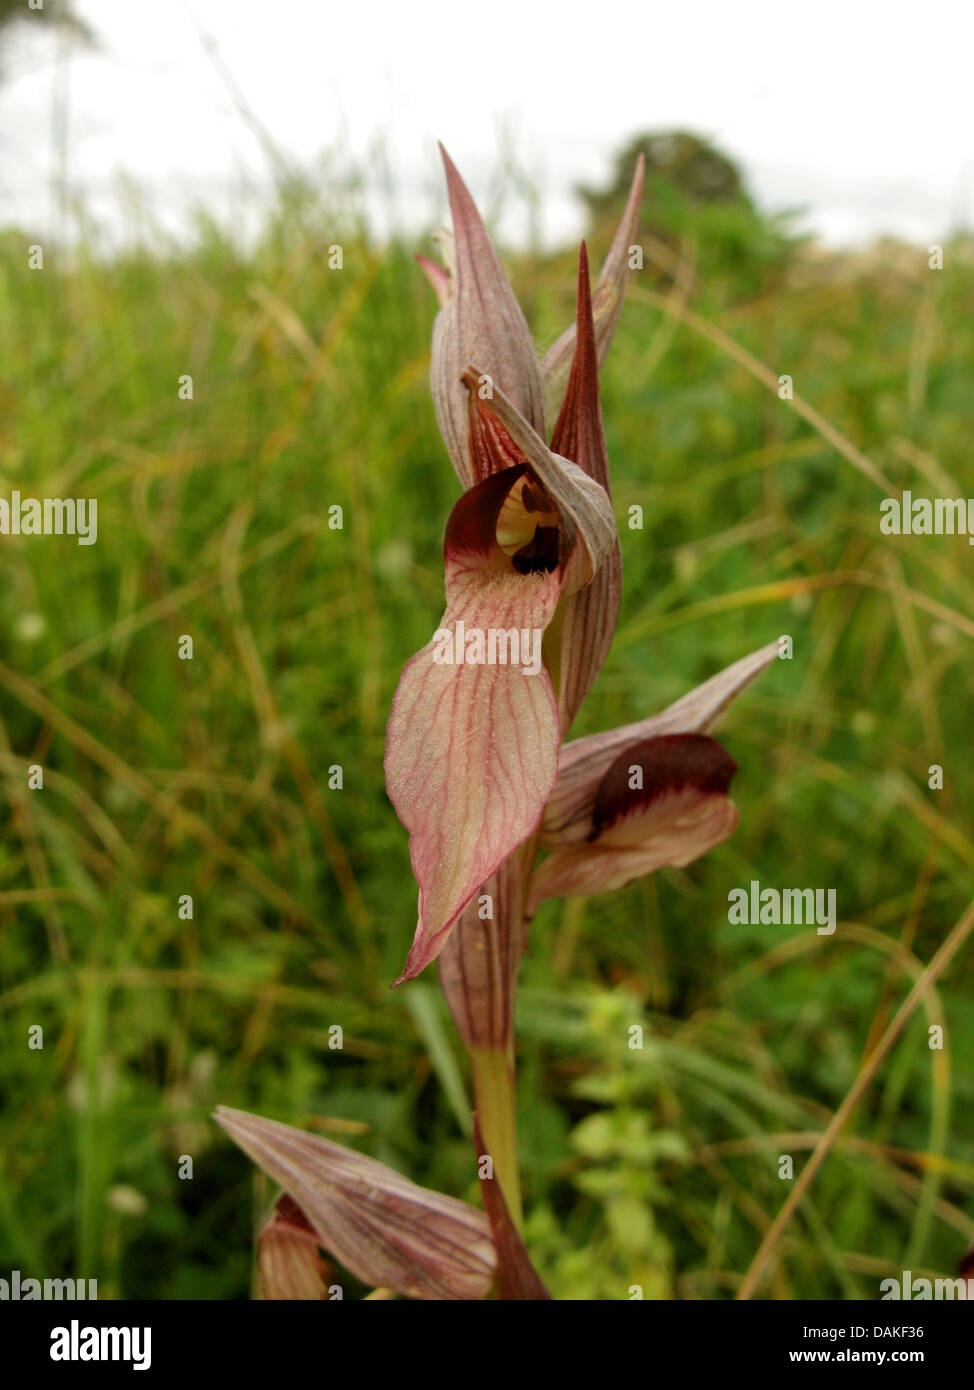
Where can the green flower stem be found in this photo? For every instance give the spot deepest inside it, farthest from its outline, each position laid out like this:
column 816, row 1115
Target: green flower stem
column 494, row 1089
column 494, row 1075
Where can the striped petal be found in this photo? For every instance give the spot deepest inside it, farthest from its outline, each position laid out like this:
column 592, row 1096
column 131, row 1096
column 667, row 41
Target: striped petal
column 384, row 1229
column 480, row 962
column 288, row 1261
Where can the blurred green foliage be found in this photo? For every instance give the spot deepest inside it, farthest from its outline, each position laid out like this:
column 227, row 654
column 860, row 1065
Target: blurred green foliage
column 654, row 1166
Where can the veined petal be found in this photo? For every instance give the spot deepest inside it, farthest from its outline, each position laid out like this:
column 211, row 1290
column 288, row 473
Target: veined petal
column 288, row 1261
column 479, row 963
column 607, row 305
column 472, row 739
column 587, row 520
column 677, row 810
column 481, row 322
column 386, row 1230
column 590, row 614
column 584, row 762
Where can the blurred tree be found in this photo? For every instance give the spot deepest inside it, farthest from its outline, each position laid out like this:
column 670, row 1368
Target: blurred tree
column 696, row 204
column 694, row 167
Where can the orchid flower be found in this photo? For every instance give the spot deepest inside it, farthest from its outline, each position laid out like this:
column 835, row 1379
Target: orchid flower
column 481, row 777
column 532, row 556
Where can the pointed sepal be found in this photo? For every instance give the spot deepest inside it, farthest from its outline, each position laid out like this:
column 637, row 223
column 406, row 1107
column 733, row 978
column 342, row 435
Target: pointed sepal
column 607, row 303
column 384, row 1229
column 480, row 321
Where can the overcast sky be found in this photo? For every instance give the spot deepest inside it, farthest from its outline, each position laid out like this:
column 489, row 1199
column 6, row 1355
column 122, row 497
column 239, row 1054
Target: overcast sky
column 861, row 112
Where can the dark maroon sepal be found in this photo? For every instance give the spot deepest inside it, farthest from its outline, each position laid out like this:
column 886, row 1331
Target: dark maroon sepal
column 578, row 433
column 472, row 527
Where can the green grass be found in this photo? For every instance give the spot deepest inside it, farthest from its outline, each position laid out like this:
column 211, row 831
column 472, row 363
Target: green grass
column 210, row 777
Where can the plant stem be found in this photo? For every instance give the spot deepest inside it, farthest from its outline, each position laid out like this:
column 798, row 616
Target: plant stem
column 493, row 1083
